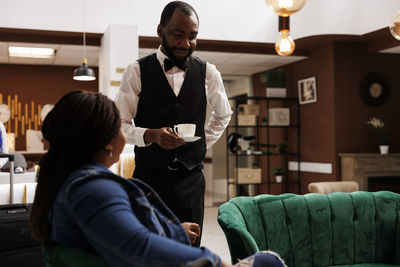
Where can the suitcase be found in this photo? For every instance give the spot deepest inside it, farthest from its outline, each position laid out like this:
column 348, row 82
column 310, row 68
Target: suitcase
column 17, row 248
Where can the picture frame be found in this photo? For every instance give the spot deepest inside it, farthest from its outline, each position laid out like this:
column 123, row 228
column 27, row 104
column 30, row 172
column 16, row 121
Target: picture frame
column 307, row 90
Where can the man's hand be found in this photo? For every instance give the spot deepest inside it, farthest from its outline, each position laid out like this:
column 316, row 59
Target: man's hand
column 192, row 230
column 164, row 137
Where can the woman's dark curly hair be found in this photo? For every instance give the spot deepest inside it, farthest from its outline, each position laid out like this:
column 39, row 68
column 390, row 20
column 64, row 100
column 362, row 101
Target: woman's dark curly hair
column 79, row 125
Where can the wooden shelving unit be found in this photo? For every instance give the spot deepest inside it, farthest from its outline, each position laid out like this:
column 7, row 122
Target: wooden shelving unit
column 264, row 151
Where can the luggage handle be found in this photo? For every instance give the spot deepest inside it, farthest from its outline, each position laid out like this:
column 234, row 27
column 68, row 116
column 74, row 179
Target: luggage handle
column 11, row 159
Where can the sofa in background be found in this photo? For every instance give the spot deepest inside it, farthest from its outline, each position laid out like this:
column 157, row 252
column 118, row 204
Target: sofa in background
column 330, row 187
column 337, row 229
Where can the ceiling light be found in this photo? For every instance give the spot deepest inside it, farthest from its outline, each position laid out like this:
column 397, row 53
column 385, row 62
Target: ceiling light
column 285, row 7
column 84, row 73
column 394, row 26
column 284, row 46
column 34, row 52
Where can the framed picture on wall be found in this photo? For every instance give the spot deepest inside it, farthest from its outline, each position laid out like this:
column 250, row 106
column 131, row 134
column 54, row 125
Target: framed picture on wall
column 307, row 90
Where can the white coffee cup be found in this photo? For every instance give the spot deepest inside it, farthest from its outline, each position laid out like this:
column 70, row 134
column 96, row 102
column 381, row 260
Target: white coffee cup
column 185, row 129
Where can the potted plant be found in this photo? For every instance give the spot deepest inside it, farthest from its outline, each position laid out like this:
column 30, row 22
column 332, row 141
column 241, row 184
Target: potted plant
column 278, row 172
column 380, row 131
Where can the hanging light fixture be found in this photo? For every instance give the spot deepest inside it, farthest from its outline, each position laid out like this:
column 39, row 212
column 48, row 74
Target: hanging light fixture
column 285, row 8
column 84, row 73
column 394, row 26
column 284, row 46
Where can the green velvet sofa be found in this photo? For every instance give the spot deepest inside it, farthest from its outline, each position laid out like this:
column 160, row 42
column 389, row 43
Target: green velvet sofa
column 56, row 255
column 337, row 229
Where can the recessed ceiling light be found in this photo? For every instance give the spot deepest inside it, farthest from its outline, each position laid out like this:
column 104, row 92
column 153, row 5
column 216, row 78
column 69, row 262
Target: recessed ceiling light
column 35, row 52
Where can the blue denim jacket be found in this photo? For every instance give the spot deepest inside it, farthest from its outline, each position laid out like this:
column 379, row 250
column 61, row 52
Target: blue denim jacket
column 124, row 221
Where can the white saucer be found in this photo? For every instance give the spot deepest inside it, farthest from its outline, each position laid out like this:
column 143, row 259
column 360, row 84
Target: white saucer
column 191, row 138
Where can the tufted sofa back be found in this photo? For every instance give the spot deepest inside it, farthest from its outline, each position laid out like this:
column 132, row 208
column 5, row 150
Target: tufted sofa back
column 315, row 229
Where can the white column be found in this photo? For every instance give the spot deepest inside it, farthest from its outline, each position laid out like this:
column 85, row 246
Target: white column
column 119, row 48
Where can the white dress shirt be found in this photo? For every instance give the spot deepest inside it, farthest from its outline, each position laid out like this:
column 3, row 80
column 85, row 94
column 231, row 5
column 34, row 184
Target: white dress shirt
column 131, row 86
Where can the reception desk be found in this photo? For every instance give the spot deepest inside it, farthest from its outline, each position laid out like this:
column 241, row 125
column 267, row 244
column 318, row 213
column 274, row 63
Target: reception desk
column 24, row 187
column 27, row 177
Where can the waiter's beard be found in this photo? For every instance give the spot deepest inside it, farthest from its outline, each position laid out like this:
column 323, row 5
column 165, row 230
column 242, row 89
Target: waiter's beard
column 170, row 54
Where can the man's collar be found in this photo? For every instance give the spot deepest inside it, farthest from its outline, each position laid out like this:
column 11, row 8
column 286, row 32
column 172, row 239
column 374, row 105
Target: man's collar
column 160, row 55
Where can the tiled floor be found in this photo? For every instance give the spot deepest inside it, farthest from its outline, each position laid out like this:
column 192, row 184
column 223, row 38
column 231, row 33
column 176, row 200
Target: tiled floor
column 213, row 237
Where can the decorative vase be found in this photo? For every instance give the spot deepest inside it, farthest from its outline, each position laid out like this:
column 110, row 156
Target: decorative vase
column 278, row 178
column 384, row 149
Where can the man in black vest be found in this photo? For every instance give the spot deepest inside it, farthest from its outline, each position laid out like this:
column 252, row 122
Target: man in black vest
column 168, row 88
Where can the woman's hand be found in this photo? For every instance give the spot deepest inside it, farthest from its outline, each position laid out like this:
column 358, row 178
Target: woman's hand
column 192, row 230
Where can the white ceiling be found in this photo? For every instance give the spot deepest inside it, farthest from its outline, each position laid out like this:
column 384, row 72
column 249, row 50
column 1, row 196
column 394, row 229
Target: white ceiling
column 226, row 63
column 232, row 20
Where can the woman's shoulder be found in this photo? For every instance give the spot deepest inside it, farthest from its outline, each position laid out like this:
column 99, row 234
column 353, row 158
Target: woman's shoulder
column 91, row 167
column 91, row 171
column 93, row 175
column 100, row 186
column 95, row 170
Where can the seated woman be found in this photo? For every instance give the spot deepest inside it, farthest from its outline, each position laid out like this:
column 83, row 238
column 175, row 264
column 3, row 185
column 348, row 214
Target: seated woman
column 80, row 203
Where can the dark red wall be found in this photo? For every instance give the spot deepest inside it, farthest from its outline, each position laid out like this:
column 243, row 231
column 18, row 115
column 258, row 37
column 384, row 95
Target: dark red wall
column 352, row 63
column 336, row 123
column 317, row 130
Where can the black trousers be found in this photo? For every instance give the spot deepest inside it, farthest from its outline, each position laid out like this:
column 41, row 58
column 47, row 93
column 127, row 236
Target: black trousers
column 181, row 190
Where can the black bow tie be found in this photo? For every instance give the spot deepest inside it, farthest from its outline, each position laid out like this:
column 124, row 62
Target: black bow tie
column 169, row 64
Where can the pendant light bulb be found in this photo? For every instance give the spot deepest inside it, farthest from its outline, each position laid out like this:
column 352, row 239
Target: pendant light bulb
column 394, row 26
column 284, row 46
column 285, row 7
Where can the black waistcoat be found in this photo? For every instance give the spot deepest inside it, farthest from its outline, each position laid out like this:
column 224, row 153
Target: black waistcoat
column 159, row 107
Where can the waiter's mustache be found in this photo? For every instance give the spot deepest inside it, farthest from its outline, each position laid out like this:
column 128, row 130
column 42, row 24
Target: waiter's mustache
column 182, row 49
